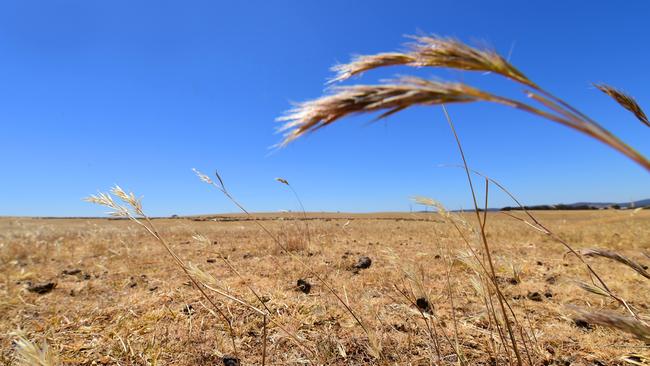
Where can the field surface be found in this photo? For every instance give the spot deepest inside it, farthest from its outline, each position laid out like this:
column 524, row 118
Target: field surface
column 117, row 298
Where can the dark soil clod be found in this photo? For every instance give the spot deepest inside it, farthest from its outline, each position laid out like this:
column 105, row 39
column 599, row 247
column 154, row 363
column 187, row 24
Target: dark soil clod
column 211, row 260
column 534, row 296
column 424, row 305
column 188, row 309
column 363, row 263
column 42, row 288
column 71, row 272
column 581, row 323
column 231, row 361
column 303, row 286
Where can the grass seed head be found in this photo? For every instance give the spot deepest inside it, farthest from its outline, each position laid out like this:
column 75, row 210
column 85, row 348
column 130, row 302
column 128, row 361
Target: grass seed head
column 389, row 98
column 434, row 51
column 626, row 101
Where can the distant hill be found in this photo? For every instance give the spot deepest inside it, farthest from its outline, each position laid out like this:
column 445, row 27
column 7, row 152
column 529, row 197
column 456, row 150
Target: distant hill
column 586, row 206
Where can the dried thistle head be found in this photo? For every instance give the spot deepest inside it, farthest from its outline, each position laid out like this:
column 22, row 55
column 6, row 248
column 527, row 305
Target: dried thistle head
column 390, row 98
column 434, row 51
column 626, row 101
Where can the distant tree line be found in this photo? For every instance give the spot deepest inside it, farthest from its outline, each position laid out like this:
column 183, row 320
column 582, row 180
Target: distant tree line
column 567, row 207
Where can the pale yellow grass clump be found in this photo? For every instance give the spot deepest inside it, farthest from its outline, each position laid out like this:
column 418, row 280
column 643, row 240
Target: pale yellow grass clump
column 29, row 353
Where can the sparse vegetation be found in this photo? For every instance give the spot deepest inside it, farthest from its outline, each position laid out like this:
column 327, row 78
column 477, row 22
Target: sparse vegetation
column 514, row 287
column 127, row 302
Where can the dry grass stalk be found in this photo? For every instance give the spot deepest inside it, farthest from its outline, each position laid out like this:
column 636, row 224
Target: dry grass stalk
column 437, row 52
column 595, row 252
column 302, row 207
column 30, row 354
column 131, row 208
column 486, row 273
column 603, row 289
column 503, row 302
column 626, row 101
column 625, row 324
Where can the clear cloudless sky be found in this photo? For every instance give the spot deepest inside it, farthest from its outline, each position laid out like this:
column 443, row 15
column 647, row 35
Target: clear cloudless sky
column 139, row 92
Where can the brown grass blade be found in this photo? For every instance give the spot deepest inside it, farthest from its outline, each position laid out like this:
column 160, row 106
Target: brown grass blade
column 626, row 101
column 594, row 252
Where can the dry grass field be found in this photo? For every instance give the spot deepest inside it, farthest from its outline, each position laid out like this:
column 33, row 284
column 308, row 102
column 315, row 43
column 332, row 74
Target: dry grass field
column 119, row 299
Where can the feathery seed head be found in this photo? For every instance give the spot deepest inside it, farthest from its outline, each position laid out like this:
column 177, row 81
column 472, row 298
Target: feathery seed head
column 448, row 52
column 363, row 63
column 390, row 98
column 434, row 51
column 29, row 354
column 105, row 199
column 202, row 239
column 201, row 275
column 202, row 176
column 626, row 101
column 128, row 198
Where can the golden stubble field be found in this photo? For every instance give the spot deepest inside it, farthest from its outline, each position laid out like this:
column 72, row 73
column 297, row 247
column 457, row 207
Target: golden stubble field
column 120, row 300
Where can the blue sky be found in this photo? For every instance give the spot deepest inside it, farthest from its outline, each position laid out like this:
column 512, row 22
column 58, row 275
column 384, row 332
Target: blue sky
column 138, row 93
